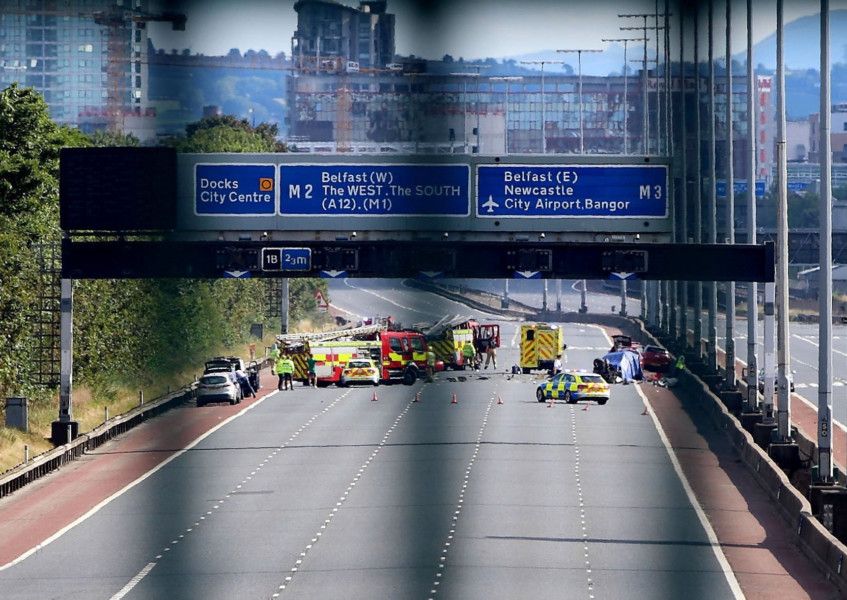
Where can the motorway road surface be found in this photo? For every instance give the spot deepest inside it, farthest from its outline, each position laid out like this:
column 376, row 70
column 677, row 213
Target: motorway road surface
column 326, row 493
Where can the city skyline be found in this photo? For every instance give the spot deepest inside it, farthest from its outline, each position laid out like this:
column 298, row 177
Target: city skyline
column 432, row 29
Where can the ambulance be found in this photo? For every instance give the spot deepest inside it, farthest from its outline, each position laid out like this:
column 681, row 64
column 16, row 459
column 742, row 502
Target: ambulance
column 540, row 345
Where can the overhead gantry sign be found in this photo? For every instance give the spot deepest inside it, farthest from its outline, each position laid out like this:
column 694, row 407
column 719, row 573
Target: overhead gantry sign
column 148, row 212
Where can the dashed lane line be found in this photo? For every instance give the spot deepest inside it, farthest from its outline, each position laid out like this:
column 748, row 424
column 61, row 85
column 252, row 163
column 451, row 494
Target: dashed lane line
column 209, row 513
column 341, row 500
column 445, row 548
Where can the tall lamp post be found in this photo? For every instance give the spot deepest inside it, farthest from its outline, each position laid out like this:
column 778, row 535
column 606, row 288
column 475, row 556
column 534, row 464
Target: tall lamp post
column 543, row 111
column 507, row 80
column 645, row 114
column 579, row 52
column 625, row 88
column 465, row 77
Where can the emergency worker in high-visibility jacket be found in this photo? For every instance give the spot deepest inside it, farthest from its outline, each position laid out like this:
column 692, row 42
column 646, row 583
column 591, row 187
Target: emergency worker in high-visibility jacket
column 469, row 353
column 284, row 368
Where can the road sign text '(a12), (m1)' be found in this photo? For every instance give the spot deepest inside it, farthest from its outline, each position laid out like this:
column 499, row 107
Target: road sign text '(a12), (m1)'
column 572, row 191
column 286, row 259
column 375, row 190
column 235, row 189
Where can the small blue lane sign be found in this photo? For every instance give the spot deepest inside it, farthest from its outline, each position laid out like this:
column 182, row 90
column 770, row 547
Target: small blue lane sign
column 369, row 190
column 286, row 259
column 243, row 190
column 603, row 191
column 739, row 186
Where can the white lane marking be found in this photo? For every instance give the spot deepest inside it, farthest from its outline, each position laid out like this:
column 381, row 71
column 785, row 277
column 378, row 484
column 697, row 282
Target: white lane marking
column 701, row 516
column 134, row 582
column 132, row 484
column 381, row 297
column 344, row 310
column 815, row 344
column 333, row 513
column 442, row 560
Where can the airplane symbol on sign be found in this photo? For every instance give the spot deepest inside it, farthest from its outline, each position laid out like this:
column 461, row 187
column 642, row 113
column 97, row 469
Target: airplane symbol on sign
column 490, row 205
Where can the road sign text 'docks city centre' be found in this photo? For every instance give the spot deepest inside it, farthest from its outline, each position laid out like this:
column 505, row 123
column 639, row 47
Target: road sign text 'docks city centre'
column 244, row 190
column 505, row 191
column 355, row 190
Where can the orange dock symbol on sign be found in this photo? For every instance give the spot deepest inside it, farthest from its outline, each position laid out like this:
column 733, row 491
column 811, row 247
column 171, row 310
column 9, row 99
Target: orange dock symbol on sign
column 266, row 184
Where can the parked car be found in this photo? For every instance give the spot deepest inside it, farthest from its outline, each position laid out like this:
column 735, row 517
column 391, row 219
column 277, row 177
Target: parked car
column 655, row 358
column 762, row 381
column 220, row 362
column 217, row 387
column 573, row 386
column 359, row 370
column 624, row 342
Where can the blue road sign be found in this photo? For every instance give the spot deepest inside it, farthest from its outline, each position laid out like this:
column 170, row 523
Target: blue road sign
column 370, row 190
column 286, row 259
column 245, row 190
column 505, row 191
column 799, row 186
column 237, row 274
column 740, row 187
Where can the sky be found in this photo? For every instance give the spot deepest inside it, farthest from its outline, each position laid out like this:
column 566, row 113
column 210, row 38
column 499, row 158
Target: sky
column 468, row 28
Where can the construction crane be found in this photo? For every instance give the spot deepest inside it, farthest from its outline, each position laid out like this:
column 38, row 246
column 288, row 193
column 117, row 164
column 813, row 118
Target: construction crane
column 119, row 45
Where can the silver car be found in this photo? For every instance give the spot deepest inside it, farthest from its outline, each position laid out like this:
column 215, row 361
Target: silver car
column 217, row 387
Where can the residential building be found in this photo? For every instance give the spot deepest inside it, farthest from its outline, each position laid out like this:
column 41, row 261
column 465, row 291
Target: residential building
column 88, row 58
column 331, row 36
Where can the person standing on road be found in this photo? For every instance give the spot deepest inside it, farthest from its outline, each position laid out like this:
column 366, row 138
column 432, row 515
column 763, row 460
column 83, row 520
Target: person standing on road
column 244, row 382
column 491, row 356
column 430, row 365
column 557, row 365
column 469, row 354
column 287, row 371
column 274, row 354
column 310, row 368
column 278, row 371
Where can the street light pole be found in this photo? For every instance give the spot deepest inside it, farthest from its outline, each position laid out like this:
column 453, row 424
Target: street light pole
column 543, row 110
column 465, row 77
column 625, row 88
column 712, row 345
column 825, row 263
column 782, row 338
column 646, row 113
column 579, row 52
column 730, row 382
column 506, row 80
column 698, row 188
column 682, row 237
column 752, row 288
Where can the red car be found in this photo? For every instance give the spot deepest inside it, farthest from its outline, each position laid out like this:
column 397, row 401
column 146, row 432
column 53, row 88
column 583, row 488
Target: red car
column 655, row 358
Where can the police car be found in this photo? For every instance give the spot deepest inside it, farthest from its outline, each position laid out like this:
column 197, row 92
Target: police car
column 573, row 386
column 359, row 370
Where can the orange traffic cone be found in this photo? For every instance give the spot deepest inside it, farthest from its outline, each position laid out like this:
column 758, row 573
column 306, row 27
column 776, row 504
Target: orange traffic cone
column 454, row 400
column 374, row 398
column 499, row 400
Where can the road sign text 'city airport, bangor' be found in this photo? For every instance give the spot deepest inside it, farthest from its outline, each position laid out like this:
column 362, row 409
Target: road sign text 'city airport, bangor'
column 374, row 190
column 509, row 191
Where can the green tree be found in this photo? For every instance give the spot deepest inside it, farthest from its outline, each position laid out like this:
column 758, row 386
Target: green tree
column 29, row 181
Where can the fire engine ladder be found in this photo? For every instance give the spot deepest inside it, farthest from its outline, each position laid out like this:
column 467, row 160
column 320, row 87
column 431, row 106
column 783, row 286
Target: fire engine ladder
column 290, row 338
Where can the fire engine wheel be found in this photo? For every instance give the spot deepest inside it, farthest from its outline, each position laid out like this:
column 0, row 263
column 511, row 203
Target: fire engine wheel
column 539, row 395
column 409, row 377
column 525, row 370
